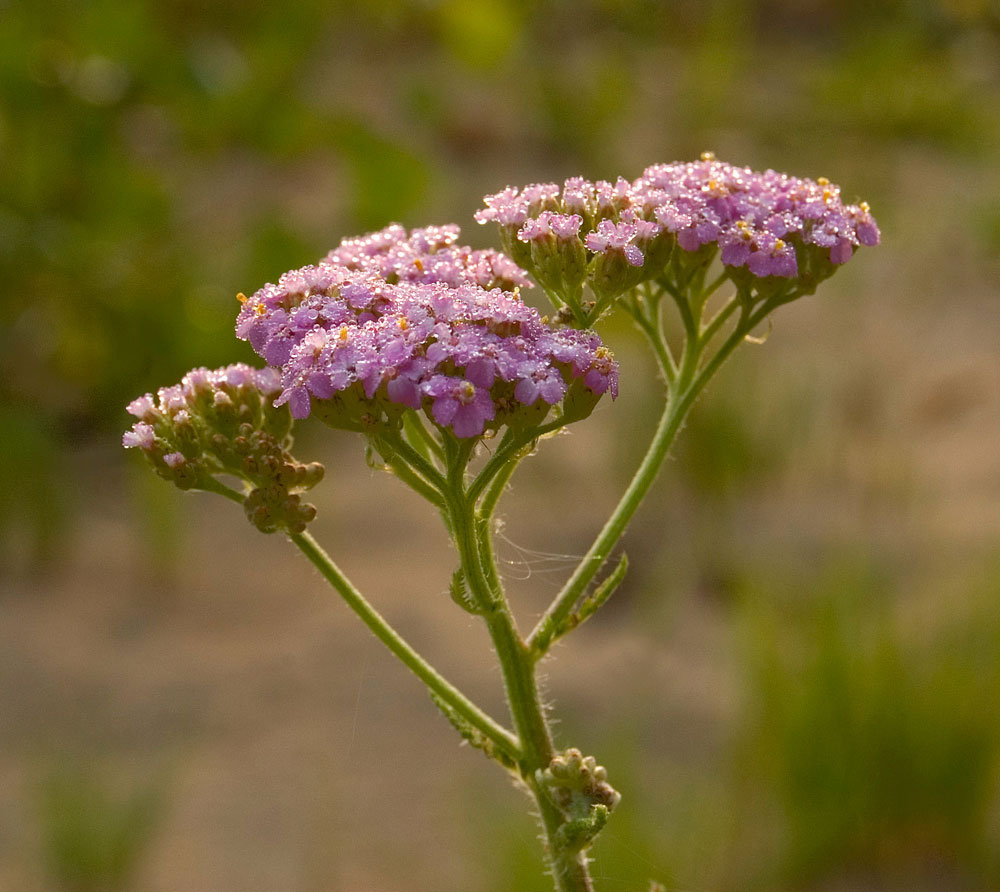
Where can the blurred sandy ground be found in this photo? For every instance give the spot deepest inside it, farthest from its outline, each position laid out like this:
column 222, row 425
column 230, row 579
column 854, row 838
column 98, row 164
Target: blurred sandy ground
column 183, row 656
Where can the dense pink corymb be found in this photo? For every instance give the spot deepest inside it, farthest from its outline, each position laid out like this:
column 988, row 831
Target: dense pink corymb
column 423, row 323
column 758, row 220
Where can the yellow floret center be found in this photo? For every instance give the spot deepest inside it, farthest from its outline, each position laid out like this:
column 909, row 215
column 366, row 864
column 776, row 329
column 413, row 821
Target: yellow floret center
column 715, row 188
column 466, row 392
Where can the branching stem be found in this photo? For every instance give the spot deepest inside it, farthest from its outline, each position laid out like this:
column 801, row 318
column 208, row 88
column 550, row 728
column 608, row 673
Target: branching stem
column 682, row 393
column 440, row 687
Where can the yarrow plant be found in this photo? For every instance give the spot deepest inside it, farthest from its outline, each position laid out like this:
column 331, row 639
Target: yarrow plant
column 427, row 350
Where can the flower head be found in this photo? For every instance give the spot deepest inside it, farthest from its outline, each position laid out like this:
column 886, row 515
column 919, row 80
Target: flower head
column 362, row 337
column 426, row 255
column 223, row 422
column 766, row 225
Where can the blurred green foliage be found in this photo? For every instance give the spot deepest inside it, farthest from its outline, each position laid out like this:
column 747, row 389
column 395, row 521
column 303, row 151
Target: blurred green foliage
column 742, row 434
column 92, row 838
column 880, row 751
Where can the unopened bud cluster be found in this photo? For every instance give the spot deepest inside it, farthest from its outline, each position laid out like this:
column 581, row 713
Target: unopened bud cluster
column 613, row 236
column 579, row 788
column 388, row 323
column 576, row 783
column 223, row 422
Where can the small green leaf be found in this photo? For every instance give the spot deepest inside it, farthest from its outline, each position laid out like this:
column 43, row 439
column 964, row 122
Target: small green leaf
column 601, row 594
column 459, row 592
column 578, row 834
column 472, row 736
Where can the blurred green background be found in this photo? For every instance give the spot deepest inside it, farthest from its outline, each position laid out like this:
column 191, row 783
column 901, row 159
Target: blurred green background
column 796, row 689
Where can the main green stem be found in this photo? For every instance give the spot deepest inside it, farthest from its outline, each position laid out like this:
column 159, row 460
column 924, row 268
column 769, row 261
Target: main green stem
column 472, row 532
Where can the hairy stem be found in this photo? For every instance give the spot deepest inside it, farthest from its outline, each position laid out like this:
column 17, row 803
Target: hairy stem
column 511, row 443
column 473, row 539
column 421, row 438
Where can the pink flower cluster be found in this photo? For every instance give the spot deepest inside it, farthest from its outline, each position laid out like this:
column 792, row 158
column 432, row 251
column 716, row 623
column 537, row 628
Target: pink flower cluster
column 223, row 422
column 428, row 255
column 760, row 221
column 390, row 321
